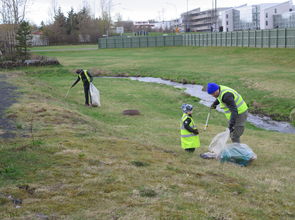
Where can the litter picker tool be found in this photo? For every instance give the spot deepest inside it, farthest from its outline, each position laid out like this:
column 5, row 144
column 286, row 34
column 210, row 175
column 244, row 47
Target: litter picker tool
column 68, row 93
column 208, row 117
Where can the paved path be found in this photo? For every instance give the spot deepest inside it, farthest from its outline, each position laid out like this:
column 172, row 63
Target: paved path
column 68, row 49
column 8, row 97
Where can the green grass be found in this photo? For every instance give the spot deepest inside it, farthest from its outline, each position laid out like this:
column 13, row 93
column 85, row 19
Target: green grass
column 96, row 163
column 264, row 77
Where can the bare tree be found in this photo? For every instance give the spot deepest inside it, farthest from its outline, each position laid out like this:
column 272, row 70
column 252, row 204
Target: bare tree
column 106, row 8
column 52, row 12
column 12, row 13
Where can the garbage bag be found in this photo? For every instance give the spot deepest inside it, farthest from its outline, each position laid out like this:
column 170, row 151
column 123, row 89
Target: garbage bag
column 240, row 154
column 218, row 143
column 95, row 96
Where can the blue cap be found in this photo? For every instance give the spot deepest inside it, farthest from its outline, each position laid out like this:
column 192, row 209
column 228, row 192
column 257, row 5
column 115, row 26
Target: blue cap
column 212, row 87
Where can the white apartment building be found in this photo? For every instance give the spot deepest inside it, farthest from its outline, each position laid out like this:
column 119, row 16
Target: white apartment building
column 251, row 17
column 285, row 20
column 267, row 14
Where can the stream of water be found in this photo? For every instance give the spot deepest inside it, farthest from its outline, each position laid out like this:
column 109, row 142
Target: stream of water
column 263, row 122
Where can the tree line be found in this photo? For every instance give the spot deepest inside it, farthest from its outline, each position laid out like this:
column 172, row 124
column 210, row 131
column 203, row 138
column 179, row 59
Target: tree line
column 64, row 28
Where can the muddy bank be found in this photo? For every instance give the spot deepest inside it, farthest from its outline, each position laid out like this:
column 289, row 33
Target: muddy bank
column 7, row 98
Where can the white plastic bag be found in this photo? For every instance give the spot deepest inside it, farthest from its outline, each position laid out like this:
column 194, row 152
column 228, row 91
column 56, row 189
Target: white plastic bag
column 95, row 96
column 218, row 144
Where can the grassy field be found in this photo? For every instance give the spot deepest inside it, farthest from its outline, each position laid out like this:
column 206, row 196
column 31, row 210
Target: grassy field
column 265, row 77
column 95, row 163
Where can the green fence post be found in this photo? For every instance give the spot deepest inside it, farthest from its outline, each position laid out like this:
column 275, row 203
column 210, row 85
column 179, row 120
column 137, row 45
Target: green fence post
column 255, row 38
column 277, row 41
column 242, row 38
column 248, row 38
column 262, row 39
column 268, row 38
column 231, row 38
column 286, row 32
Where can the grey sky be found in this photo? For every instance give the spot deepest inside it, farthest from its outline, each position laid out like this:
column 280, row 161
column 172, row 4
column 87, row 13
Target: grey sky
column 136, row 10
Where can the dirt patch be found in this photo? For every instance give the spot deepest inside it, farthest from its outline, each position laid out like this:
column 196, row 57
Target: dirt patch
column 131, row 112
column 7, row 98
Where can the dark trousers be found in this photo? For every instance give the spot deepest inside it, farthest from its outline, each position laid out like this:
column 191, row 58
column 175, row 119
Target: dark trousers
column 86, row 92
column 239, row 127
column 190, row 150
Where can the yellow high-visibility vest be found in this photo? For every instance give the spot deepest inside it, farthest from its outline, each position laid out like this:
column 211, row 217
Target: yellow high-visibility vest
column 240, row 103
column 86, row 74
column 188, row 139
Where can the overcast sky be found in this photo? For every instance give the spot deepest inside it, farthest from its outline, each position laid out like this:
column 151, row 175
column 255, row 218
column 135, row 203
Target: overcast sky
column 136, row 10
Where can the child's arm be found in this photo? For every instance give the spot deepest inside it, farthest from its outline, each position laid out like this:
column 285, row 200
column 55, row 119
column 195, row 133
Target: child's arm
column 187, row 127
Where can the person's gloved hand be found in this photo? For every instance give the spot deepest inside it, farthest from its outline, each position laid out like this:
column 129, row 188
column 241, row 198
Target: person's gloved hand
column 213, row 106
column 231, row 129
column 196, row 131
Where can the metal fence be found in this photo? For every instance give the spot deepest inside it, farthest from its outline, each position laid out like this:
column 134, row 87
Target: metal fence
column 146, row 41
column 276, row 38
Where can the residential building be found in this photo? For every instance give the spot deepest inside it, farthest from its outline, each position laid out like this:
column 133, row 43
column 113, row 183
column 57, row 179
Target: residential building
column 251, row 17
column 285, row 20
column 267, row 14
column 167, row 25
column 38, row 39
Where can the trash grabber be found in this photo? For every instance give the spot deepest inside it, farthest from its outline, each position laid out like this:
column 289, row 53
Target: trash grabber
column 68, row 93
column 208, row 116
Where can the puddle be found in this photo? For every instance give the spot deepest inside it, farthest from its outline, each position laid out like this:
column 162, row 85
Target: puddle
column 196, row 90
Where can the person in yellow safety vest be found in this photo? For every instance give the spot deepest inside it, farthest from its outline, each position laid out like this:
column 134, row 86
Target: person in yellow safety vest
column 86, row 78
column 188, row 130
column 234, row 106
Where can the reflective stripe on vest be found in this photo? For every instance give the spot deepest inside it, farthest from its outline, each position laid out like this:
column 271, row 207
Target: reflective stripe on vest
column 86, row 74
column 240, row 103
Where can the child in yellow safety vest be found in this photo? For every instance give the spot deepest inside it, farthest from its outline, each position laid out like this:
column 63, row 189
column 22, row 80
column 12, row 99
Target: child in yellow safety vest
column 188, row 130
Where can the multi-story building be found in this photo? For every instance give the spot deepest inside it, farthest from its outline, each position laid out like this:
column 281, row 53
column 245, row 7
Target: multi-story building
column 267, row 14
column 202, row 21
column 285, row 20
column 241, row 18
column 251, row 17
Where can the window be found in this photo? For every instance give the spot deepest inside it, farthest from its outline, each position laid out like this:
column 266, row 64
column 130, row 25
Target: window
column 266, row 23
column 275, row 10
column 226, row 22
column 266, row 15
column 290, row 9
column 226, row 29
column 226, row 15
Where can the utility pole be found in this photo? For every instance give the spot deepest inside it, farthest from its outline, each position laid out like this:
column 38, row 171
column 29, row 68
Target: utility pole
column 214, row 15
column 187, row 19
